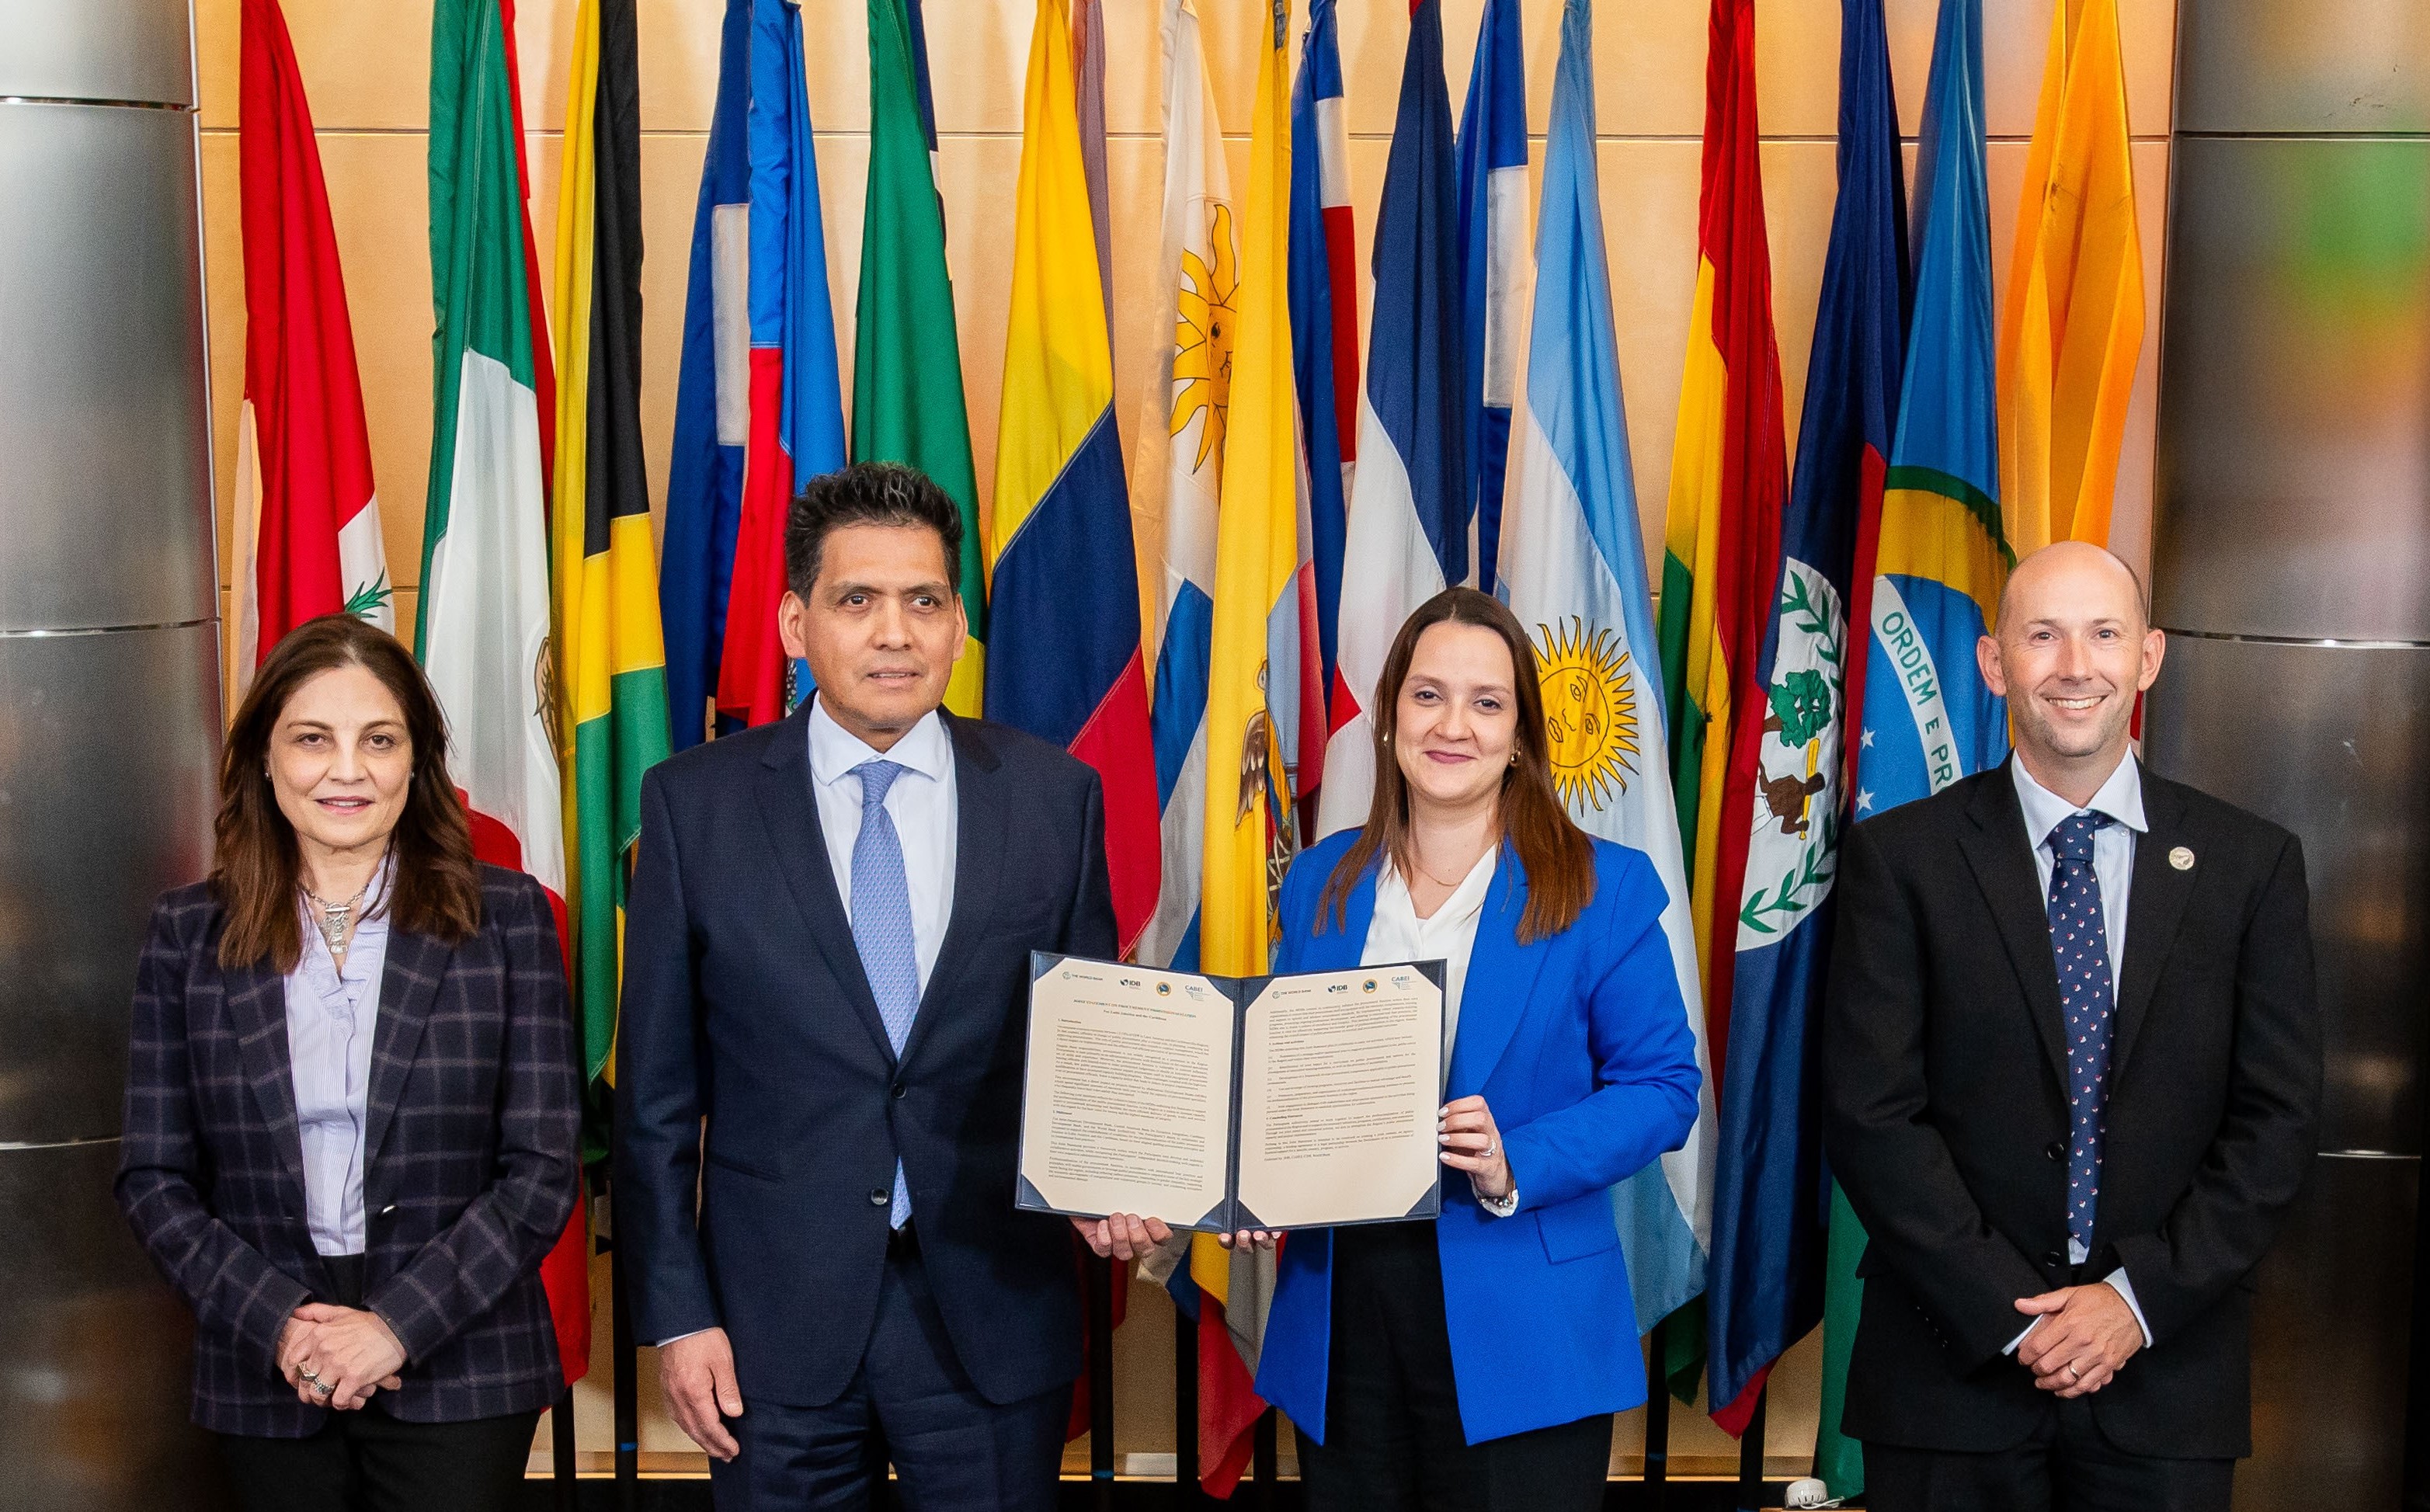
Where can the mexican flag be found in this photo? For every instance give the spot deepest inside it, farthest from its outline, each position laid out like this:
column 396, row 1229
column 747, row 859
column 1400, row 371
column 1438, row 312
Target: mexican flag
column 482, row 629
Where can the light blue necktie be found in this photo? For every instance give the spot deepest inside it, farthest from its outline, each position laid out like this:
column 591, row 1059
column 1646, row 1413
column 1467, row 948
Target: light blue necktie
column 881, row 928
column 2080, row 945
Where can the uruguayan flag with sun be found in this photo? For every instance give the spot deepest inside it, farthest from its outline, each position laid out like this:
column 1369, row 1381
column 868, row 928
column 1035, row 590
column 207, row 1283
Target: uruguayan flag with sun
column 1572, row 569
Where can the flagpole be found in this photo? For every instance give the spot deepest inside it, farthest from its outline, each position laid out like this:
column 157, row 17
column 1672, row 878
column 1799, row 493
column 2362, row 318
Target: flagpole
column 1751, row 1455
column 1101, row 1381
column 560, row 1451
column 1185, row 1410
column 1657, row 1471
column 629, row 1414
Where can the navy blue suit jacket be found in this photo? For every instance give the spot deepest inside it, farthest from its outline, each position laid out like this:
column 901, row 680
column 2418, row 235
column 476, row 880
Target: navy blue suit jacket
column 472, row 1160
column 1580, row 1045
column 745, row 1005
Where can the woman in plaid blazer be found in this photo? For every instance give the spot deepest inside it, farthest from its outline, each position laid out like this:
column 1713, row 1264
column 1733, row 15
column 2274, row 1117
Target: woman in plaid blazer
column 353, row 1105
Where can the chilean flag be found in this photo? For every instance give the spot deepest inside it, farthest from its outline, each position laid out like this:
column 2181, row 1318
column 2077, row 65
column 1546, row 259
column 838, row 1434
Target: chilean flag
column 1410, row 508
column 759, row 402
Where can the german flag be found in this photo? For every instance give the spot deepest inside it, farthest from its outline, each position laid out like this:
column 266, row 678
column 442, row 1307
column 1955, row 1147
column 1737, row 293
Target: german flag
column 610, row 661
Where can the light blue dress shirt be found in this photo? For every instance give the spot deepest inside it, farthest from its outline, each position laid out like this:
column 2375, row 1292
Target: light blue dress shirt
column 331, row 1015
column 2120, row 797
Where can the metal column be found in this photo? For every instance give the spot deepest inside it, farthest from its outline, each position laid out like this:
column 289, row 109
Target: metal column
column 110, row 718
column 2291, row 565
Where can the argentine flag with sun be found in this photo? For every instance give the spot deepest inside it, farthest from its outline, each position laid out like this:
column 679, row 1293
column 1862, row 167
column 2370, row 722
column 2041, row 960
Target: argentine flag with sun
column 1572, row 569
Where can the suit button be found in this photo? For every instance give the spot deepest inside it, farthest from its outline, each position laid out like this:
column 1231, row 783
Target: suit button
column 880, row 1197
column 2053, row 1259
column 2056, row 1149
column 901, row 1090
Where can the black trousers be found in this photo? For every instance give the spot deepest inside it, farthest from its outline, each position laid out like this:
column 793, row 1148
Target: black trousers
column 1392, row 1435
column 2065, row 1465
column 367, row 1461
column 912, row 1404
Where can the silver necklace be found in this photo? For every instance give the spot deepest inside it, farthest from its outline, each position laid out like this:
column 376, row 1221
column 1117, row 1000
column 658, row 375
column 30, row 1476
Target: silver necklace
column 337, row 920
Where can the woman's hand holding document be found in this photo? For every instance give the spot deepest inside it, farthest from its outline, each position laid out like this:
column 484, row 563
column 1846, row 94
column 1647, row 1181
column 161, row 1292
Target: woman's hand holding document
column 1223, row 1105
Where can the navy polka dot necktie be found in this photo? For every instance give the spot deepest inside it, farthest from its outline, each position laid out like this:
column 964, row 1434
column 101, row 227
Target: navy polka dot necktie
column 2080, row 943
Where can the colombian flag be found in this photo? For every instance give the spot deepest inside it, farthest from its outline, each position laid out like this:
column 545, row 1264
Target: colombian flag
column 2073, row 326
column 1063, row 617
column 612, row 683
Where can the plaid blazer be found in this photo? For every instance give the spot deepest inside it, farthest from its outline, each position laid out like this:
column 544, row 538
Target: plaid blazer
column 472, row 1160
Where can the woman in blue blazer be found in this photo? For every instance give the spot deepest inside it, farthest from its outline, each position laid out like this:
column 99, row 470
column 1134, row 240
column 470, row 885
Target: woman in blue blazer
column 1476, row 1362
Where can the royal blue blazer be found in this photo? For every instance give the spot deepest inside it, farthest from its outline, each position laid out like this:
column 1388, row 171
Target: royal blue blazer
column 1581, row 1046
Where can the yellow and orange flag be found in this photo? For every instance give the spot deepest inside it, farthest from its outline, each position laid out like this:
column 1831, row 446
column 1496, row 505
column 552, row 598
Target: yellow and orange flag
column 2073, row 328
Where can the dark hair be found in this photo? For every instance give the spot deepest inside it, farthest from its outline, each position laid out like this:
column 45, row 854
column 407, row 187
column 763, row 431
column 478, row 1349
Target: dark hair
column 436, row 891
column 1554, row 854
column 866, row 493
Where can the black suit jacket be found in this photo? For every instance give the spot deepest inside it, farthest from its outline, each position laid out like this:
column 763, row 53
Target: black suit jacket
column 745, row 1005
column 1946, row 1118
column 472, row 1160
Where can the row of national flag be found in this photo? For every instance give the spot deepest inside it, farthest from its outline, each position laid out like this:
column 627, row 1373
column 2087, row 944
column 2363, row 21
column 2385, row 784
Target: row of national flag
column 1293, row 502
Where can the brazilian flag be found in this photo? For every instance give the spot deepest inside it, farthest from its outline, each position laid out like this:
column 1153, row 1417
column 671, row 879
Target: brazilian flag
column 611, row 686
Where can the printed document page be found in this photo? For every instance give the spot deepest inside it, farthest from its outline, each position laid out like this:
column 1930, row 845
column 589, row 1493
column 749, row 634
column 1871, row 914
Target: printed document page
column 1128, row 1103
column 1340, row 1077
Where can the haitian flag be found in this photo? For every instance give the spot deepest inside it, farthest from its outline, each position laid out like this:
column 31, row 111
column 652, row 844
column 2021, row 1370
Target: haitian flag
column 1410, row 510
column 759, row 403
column 1064, row 659
column 1493, row 146
column 1573, row 567
column 309, row 523
column 1787, row 767
column 1324, row 356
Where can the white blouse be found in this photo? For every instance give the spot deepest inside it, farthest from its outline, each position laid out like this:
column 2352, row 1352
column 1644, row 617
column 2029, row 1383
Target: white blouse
column 1449, row 935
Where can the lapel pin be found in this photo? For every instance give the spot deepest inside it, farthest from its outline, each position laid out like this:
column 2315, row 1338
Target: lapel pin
column 2181, row 857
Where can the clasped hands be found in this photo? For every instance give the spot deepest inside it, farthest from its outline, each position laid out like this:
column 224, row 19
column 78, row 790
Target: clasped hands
column 1464, row 1127
column 2081, row 1336
column 337, row 1356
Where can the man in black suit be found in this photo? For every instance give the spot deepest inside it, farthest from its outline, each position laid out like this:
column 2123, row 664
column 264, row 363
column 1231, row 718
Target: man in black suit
column 826, row 957
column 2072, row 1064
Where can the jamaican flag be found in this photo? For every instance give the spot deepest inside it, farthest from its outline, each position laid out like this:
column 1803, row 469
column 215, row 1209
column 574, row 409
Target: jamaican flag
column 610, row 685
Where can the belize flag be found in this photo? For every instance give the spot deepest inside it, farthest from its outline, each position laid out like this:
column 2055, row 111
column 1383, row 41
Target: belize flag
column 1181, row 457
column 1787, row 767
column 1325, row 357
column 1063, row 655
column 758, row 404
column 1492, row 147
column 1409, row 512
column 1573, row 571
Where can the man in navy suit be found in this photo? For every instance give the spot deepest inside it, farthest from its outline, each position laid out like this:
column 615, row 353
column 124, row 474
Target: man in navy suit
column 827, row 958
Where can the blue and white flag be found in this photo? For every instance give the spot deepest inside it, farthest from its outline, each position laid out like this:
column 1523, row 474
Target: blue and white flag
column 1409, row 506
column 1494, row 276
column 1573, row 571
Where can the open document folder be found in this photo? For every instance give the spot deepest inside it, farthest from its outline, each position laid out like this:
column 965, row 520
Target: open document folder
column 1222, row 1104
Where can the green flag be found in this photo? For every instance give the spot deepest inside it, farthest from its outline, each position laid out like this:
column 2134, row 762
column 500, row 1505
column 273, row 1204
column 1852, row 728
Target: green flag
column 907, row 371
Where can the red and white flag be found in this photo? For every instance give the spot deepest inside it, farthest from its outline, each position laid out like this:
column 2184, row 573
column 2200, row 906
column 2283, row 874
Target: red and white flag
column 307, row 524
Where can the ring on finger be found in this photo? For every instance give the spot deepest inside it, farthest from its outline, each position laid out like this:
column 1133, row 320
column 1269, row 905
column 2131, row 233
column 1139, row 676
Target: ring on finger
column 322, row 1390
column 2071, row 1372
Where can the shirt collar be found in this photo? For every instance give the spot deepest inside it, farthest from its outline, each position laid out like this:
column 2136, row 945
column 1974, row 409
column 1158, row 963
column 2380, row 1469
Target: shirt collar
column 835, row 751
column 2120, row 797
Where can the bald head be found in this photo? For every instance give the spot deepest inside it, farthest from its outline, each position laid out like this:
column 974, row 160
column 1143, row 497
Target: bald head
column 2075, row 571
column 2072, row 646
